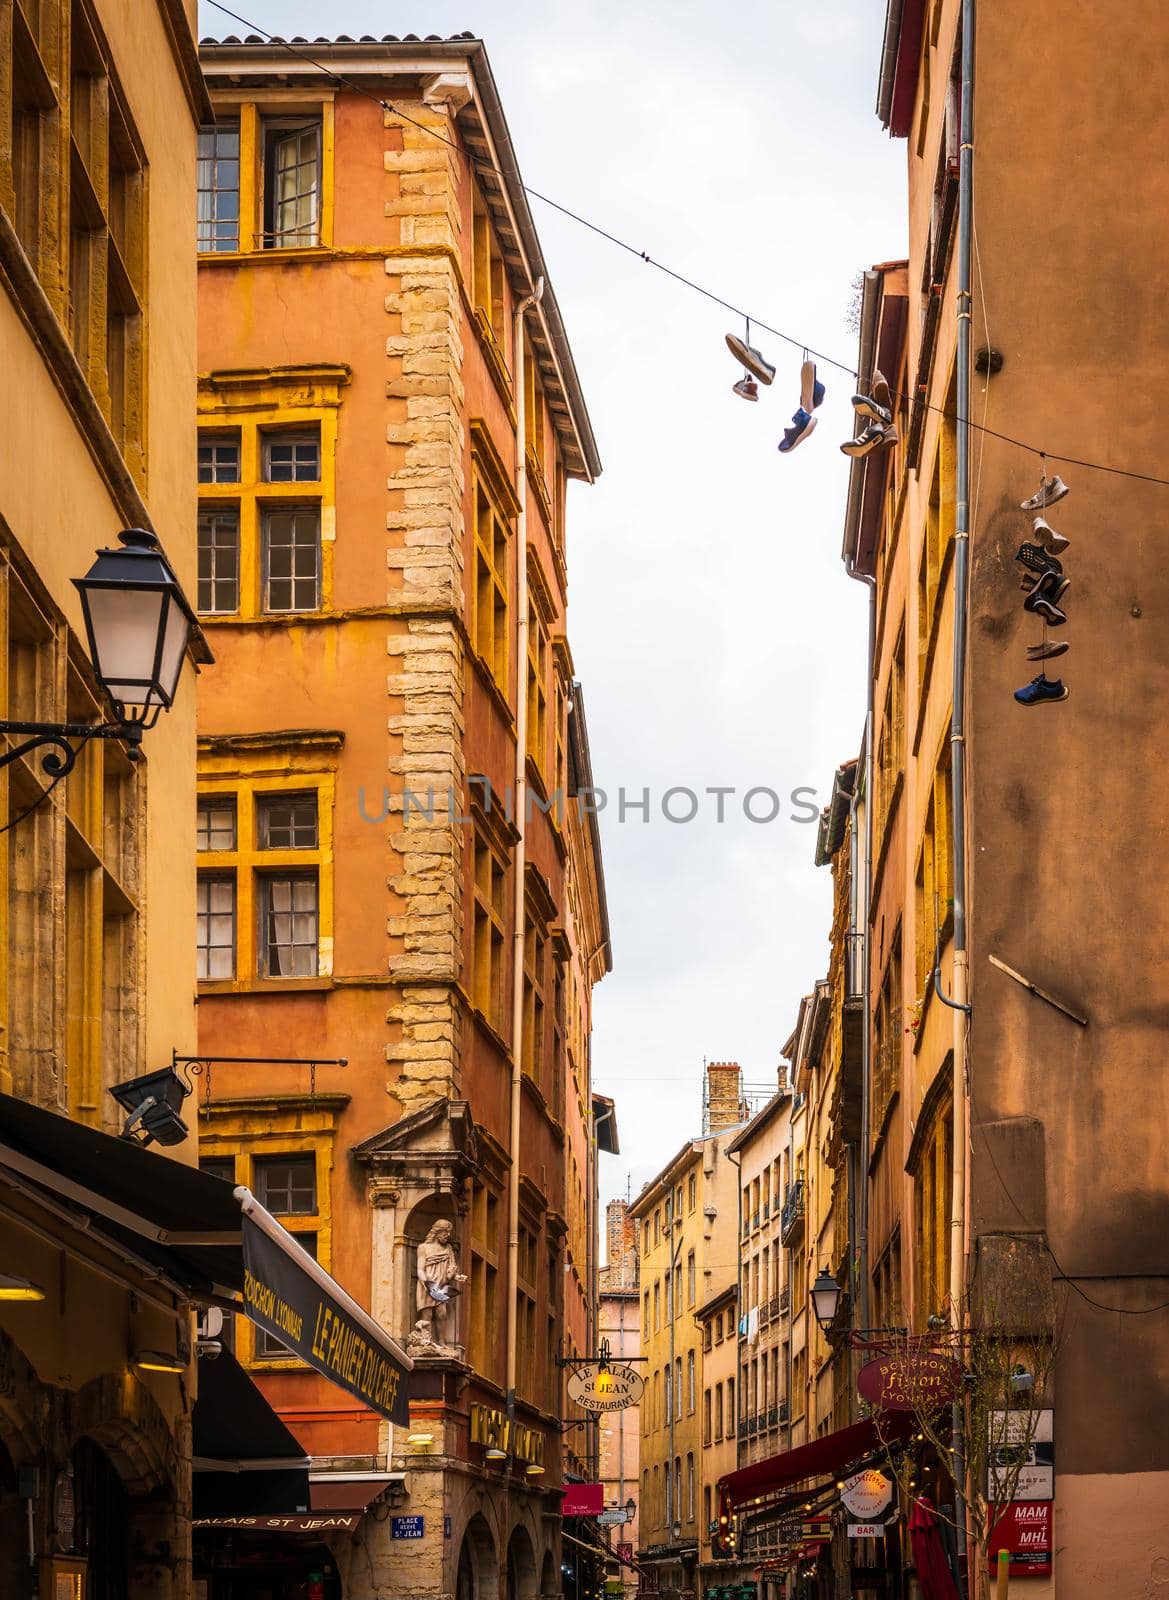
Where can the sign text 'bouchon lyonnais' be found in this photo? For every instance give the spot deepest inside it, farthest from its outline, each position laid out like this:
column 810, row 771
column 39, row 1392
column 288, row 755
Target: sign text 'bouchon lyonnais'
column 610, row 1388
column 282, row 1297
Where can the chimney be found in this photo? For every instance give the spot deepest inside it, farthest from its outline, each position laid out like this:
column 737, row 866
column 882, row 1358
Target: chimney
column 621, row 1271
column 722, row 1096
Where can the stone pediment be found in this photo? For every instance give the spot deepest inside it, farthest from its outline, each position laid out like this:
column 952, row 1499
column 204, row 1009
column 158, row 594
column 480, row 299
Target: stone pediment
column 436, row 1148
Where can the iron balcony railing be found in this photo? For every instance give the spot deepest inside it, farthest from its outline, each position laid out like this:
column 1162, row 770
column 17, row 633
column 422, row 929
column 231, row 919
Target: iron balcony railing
column 784, row 1300
column 793, row 1211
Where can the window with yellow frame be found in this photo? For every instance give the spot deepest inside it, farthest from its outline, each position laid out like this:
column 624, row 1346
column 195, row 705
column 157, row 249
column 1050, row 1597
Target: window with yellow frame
column 288, row 1172
column 264, row 846
column 934, row 880
column 267, row 493
column 932, row 1164
column 493, row 508
column 265, row 177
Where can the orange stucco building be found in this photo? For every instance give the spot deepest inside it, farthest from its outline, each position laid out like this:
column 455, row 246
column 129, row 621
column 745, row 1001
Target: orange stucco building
column 386, row 438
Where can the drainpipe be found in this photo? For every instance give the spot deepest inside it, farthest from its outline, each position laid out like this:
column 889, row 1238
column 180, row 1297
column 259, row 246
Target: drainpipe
column 960, row 984
column 519, row 814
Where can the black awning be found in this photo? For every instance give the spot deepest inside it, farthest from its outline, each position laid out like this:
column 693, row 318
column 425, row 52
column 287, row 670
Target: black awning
column 170, row 1215
column 247, row 1463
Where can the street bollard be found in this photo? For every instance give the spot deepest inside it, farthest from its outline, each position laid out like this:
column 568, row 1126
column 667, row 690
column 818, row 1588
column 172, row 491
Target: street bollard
column 1000, row 1590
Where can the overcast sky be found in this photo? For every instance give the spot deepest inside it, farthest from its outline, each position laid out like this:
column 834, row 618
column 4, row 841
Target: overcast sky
column 713, row 627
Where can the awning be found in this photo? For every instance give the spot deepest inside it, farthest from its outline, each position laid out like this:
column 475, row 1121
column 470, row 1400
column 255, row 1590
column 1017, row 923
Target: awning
column 351, row 1492
column 828, row 1454
column 246, row 1462
column 188, row 1226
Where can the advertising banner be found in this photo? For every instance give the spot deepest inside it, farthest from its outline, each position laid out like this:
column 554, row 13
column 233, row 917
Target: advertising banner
column 1023, row 1529
column 282, row 1296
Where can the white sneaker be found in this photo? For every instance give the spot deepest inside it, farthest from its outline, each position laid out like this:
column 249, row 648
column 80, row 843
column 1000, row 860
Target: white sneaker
column 1046, row 535
column 1049, row 491
column 750, row 358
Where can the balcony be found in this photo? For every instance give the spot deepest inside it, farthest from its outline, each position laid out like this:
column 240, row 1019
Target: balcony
column 766, row 1209
column 782, row 1410
column 774, row 1306
column 742, row 1427
column 752, row 1427
column 773, row 1417
column 784, row 1300
column 792, row 1221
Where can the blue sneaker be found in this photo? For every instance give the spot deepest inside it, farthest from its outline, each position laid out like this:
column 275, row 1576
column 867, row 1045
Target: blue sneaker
column 802, row 424
column 1041, row 690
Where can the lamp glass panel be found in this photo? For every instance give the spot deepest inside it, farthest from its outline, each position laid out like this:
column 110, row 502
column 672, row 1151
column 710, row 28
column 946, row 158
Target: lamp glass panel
column 125, row 624
column 174, row 644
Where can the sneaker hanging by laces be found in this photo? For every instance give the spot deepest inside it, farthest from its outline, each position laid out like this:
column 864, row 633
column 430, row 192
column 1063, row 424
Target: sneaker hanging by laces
column 1050, row 490
column 1041, row 691
column 802, row 425
column 747, row 356
column 746, row 388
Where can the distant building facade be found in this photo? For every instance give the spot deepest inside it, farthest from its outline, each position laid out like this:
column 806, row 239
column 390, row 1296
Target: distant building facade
column 619, row 1325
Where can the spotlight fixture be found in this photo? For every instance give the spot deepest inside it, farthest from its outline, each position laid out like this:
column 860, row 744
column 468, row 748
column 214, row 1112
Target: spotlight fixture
column 534, row 1470
column 422, row 1441
column 494, row 1453
column 158, row 1361
column 153, row 1103
column 13, row 1287
column 1022, row 1381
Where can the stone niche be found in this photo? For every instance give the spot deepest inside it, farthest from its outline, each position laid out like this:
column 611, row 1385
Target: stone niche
column 418, row 1174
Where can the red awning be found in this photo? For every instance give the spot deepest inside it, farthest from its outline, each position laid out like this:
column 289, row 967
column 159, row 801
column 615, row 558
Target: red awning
column 817, row 1458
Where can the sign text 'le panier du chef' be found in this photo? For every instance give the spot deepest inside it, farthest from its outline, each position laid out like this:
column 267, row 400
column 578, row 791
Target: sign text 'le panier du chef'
column 282, row 1297
column 909, row 1380
column 493, row 1431
column 609, row 1388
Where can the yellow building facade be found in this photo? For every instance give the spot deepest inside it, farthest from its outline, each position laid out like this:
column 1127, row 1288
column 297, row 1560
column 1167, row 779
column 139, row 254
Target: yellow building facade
column 99, row 105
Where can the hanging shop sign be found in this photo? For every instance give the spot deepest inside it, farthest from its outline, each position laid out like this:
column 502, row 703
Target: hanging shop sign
column 492, row 1429
column 867, row 1494
column 609, row 1388
column 913, row 1380
column 299, row 1522
column 1023, row 1529
column 284, row 1297
column 583, row 1500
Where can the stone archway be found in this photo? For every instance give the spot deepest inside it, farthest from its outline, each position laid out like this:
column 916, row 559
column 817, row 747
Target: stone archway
column 478, row 1570
column 121, row 1415
column 521, row 1566
column 550, row 1585
column 22, row 1401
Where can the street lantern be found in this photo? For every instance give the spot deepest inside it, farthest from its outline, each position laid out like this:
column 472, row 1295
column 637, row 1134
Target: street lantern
column 825, row 1298
column 630, row 1509
column 138, row 621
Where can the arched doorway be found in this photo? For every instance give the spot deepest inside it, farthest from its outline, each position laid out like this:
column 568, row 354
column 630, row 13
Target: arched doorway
column 13, row 1529
column 521, row 1566
column 549, row 1586
column 478, row 1570
column 101, row 1529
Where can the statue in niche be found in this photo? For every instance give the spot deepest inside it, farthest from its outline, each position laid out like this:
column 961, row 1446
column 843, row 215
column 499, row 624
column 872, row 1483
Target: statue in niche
column 438, row 1282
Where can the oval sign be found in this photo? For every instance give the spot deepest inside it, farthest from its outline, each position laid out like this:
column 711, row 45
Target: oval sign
column 917, row 1381
column 867, row 1494
column 610, row 1390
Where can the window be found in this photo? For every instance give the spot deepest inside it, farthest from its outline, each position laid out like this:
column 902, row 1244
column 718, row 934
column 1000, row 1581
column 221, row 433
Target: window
column 219, row 457
column 890, row 762
column 534, row 413
column 289, row 928
column 291, row 553
column 706, row 1416
column 690, row 1390
column 215, row 824
column 218, row 561
column 287, row 1187
column 292, row 184
column 487, row 934
column 707, row 1513
column 292, row 458
column 264, row 896
column 488, row 279
column 222, row 1167
column 215, row 903
column 267, row 492
column 657, row 1305
column 937, row 539
column 932, row 1166
column 217, row 226
column 482, row 1308
column 669, row 1394
column 489, row 622
column 535, row 983
column 526, row 1313
column 934, row 889
column 691, row 1280
column 888, row 1032
column 718, row 1412
column 287, row 822
column 657, row 1227
column 690, row 1487
column 537, row 689
column 692, row 1192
